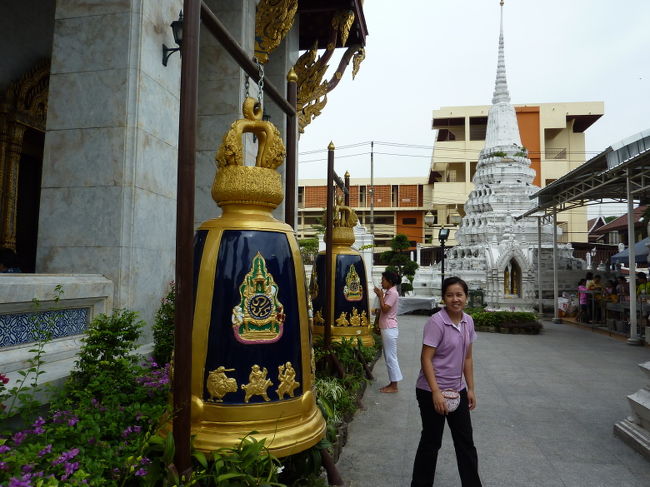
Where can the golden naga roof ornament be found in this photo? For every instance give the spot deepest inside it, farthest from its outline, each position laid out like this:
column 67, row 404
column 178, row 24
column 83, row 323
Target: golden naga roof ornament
column 312, row 90
column 261, row 184
column 273, row 20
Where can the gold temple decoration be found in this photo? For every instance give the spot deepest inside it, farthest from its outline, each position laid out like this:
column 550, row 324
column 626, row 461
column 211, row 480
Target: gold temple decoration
column 364, row 319
column 273, row 20
column 287, row 379
column 23, row 106
column 237, row 184
column 342, row 320
column 218, row 384
column 312, row 89
column 259, row 317
column 318, row 318
column 353, row 291
column 355, row 319
column 258, row 383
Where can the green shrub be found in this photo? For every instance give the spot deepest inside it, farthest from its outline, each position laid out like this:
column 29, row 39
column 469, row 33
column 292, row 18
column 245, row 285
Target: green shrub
column 163, row 327
column 503, row 320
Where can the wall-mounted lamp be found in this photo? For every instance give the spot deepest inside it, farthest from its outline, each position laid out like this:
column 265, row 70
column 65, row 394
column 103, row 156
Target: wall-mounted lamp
column 177, row 32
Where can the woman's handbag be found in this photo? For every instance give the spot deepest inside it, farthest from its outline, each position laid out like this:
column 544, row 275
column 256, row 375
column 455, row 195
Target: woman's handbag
column 452, row 398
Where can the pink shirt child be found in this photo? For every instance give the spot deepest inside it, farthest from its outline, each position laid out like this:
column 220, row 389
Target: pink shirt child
column 582, row 295
column 389, row 319
column 450, row 342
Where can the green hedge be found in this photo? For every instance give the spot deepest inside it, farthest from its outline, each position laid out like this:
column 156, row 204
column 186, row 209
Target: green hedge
column 505, row 321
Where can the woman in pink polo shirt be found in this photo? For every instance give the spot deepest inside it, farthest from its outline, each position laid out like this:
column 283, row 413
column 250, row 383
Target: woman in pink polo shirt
column 447, row 363
column 388, row 324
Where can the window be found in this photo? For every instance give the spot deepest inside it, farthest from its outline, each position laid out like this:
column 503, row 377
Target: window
column 362, row 196
column 409, row 221
column 384, row 220
column 301, row 196
column 394, row 195
column 312, row 220
column 477, row 128
column 613, row 238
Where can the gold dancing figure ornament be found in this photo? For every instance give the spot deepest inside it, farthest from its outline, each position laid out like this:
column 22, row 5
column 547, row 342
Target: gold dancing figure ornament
column 258, row 383
column 342, row 320
column 287, row 379
column 219, row 384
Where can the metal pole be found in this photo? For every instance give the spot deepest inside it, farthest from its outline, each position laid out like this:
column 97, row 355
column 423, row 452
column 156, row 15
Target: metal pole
column 347, row 188
column 292, row 139
column 184, row 234
column 241, row 57
column 556, row 286
column 372, row 188
column 631, row 240
column 329, row 272
column 442, row 266
column 540, row 304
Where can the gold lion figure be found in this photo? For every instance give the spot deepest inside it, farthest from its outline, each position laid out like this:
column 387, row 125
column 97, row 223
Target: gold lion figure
column 258, row 383
column 287, row 378
column 219, row 384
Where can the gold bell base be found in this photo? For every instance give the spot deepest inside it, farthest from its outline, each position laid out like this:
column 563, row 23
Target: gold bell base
column 339, row 333
column 286, row 432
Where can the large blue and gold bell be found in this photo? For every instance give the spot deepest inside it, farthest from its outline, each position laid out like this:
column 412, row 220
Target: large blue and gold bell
column 349, row 290
column 252, row 365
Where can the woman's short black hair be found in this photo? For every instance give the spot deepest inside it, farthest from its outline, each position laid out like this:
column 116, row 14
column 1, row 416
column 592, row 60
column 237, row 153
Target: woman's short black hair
column 391, row 277
column 582, row 282
column 450, row 281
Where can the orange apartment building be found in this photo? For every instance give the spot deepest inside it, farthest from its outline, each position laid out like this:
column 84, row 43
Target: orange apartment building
column 400, row 205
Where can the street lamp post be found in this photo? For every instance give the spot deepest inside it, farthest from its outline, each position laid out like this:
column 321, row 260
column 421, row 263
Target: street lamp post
column 443, row 235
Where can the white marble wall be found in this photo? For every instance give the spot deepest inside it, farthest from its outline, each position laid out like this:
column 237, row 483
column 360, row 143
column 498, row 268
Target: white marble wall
column 221, row 93
column 108, row 200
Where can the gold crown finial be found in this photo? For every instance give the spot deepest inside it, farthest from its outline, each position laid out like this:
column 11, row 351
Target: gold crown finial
column 501, row 3
column 347, row 174
column 331, row 146
column 292, row 76
column 236, row 183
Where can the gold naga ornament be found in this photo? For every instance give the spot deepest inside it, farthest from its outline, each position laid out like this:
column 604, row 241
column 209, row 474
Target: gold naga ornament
column 251, row 307
column 349, row 290
column 312, row 89
column 273, row 20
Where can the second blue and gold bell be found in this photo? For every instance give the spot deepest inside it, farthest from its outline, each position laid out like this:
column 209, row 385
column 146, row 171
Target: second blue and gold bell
column 349, row 303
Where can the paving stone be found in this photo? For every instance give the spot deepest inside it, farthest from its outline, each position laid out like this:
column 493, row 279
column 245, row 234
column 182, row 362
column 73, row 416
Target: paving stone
column 546, row 408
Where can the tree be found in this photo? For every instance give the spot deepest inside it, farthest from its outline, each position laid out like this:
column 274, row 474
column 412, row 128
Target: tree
column 398, row 260
column 308, row 249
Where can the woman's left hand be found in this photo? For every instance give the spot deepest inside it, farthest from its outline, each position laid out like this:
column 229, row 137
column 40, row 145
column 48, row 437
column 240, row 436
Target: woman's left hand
column 471, row 398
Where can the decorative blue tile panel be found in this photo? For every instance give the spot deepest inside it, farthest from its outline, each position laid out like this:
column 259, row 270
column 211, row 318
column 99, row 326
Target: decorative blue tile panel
column 21, row 328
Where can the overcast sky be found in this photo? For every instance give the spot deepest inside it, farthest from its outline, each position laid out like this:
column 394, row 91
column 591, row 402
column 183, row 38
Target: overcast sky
column 425, row 54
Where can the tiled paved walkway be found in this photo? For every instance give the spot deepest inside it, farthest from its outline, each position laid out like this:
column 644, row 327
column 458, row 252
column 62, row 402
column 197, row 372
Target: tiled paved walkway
column 546, row 409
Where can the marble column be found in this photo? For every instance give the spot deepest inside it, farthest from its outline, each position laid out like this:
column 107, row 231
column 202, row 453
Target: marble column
column 108, row 199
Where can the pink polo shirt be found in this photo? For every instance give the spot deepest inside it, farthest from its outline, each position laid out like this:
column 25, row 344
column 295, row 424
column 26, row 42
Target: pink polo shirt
column 388, row 319
column 449, row 342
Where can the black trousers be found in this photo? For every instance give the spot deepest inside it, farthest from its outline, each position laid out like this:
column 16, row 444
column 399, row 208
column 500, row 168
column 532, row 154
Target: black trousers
column 433, row 424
